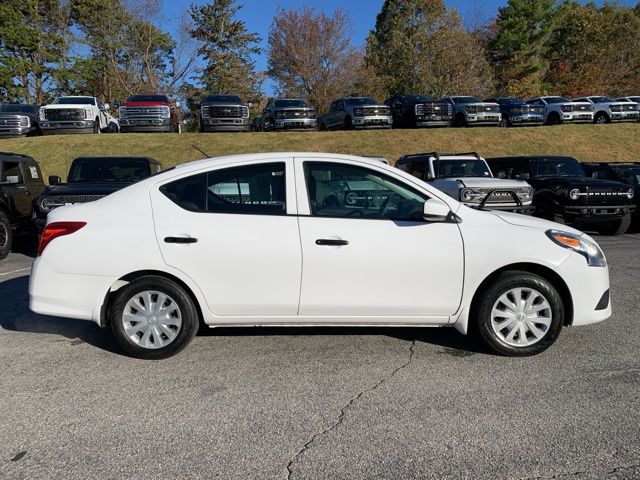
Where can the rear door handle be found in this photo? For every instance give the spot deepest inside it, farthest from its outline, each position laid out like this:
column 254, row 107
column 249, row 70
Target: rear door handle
column 180, row 240
column 332, row 242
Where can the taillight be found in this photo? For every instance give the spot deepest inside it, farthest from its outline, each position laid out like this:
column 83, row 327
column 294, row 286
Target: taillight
column 55, row 230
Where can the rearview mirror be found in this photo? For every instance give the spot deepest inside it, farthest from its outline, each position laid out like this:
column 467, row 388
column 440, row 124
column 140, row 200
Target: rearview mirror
column 436, row 210
column 54, row 180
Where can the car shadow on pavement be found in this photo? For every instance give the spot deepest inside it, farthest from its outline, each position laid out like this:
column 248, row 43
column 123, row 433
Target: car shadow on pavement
column 16, row 317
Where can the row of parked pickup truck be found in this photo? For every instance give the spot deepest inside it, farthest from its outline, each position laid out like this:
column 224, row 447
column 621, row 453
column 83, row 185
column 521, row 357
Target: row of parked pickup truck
column 158, row 113
column 593, row 196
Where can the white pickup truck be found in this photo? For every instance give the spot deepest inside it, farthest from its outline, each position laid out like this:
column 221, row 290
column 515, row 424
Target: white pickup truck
column 468, row 178
column 77, row 114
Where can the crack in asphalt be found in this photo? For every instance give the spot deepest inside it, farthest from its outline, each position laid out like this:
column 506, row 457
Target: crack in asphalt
column 343, row 410
column 573, row 474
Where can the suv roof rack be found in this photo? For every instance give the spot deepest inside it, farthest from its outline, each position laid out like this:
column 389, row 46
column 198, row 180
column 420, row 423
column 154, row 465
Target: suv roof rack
column 12, row 154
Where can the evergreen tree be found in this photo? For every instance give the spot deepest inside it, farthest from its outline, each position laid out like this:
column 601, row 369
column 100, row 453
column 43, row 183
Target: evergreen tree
column 520, row 46
column 420, row 46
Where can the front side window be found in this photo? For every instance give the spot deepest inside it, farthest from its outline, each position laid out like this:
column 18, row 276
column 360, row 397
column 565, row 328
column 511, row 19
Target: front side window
column 255, row 189
column 347, row 191
column 556, row 167
column 10, row 172
column 461, row 168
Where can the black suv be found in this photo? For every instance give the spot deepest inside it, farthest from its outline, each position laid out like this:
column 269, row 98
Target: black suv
column 91, row 178
column 20, row 182
column 286, row 114
column 223, row 113
column 516, row 112
column 563, row 193
column 419, row 111
column 628, row 173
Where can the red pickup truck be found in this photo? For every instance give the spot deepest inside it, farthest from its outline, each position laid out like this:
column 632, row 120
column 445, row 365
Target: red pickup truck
column 149, row 113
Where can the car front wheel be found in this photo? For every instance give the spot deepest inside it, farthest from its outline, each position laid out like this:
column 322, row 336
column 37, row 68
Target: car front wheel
column 153, row 318
column 519, row 314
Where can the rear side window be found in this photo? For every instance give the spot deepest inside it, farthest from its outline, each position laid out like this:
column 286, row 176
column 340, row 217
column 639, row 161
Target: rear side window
column 251, row 190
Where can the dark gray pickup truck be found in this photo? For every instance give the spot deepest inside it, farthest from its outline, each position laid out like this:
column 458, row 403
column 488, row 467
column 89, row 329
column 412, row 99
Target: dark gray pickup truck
column 20, row 183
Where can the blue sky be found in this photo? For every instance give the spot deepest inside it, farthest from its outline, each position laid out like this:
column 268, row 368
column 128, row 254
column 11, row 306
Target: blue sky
column 258, row 14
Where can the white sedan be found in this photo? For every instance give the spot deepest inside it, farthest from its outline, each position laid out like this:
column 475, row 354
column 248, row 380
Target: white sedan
column 311, row 239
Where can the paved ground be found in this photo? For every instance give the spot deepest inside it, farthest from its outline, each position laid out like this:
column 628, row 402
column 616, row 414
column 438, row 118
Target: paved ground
column 322, row 403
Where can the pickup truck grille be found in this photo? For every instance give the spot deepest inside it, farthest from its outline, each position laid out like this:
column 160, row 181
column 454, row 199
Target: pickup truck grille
column 293, row 114
column 501, row 196
column 423, row 109
column 9, row 121
column 576, row 108
column 64, row 114
column 219, row 111
column 375, row 111
column 142, row 111
column 624, row 108
column 77, row 198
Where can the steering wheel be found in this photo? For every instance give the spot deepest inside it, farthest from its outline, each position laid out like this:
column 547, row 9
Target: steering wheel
column 384, row 207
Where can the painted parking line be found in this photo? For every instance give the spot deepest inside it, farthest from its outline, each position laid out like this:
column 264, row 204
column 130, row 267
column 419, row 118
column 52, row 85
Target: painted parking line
column 15, row 271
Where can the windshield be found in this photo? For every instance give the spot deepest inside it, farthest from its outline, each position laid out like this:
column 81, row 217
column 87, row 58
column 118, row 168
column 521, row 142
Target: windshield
column 290, row 103
column 361, row 101
column 222, row 98
column 74, row 101
column 555, row 99
column 510, row 101
column 461, row 168
column 630, row 175
column 463, row 100
column 556, row 167
column 116, row 170
column 10, row 108
column 601, row 99
column 149, row 98
column 420, row 98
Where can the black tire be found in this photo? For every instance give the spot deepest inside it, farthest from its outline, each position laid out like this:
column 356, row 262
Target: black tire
column 617, row 227
column 6, row 235
column 321, row 126
column 96, row 125
column 489, row 297
column 553, row 119
column 348, row 123
column 601, row 118
column 187, row 309
column 504, row 121
column 459, row 120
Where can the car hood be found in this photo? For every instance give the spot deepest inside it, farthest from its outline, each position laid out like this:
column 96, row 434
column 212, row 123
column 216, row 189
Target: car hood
column 231, row 104
column 105, row 188
column 487, row 182
column 532, row 222
column 58, row 106
column 582, row 182
column 145, row 104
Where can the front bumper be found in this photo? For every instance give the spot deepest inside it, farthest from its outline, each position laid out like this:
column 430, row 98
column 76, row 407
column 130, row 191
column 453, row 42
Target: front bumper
column 587, row 286
column 66, row 295
column 596, row 212
column 299, row 123
column 145, row 125
column 483, row 118
column 51, row 127
column 433, row 121
column 577, row 117
column 630, row 116
column 527, row 119
column 225, row 124
column 380, row 121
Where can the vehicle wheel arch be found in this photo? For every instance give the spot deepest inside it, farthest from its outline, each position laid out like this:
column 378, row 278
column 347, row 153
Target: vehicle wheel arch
column 541, row 270
column 130, row 277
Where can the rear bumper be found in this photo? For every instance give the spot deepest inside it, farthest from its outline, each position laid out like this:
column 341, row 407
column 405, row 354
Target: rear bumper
column 51, row 127
column 66, row 295
column 588, row 287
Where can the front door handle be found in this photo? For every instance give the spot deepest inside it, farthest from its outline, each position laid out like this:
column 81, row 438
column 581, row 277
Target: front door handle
column 180, row 240
column 332, row 242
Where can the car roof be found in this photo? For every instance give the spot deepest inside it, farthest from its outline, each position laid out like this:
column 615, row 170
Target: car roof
column 15, row 156
column 116, row 157
column 528, row 157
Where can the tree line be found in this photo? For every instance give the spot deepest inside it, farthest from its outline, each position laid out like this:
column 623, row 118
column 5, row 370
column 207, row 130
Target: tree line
column 114, row 48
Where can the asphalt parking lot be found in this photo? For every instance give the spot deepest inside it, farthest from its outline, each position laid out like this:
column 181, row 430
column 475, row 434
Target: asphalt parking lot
column 319, row 403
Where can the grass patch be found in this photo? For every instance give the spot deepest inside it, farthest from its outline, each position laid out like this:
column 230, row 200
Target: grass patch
column 585, row 142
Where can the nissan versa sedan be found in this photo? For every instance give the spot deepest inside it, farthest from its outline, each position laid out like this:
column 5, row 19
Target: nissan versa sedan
column 311, row 239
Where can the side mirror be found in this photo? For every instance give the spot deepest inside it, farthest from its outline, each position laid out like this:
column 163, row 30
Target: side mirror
column 116, row 104
column 54, row 180
column 107, row 106
column 250, row 105
column 436, row 210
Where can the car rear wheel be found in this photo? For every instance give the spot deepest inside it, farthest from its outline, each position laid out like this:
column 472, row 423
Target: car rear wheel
column 617, row 227
column 153, row 318
column 6, row 235
column 519, row 314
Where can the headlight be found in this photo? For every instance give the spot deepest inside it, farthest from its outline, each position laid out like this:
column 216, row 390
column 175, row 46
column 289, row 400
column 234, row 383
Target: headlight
column 122, row 112
column 471, row 109
column 574, row 194
column 525, row 193
column 42, row 114
column 166, row 112
column 581, row 244
column 88, row 114
column 47, row 204
column 630, row 193
column 470, row 195
column 24, row 121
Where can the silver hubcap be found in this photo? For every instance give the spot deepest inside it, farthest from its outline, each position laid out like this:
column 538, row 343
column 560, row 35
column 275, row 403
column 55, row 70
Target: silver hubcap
column 4, row 235
column 521, row 317
column 151, row 319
